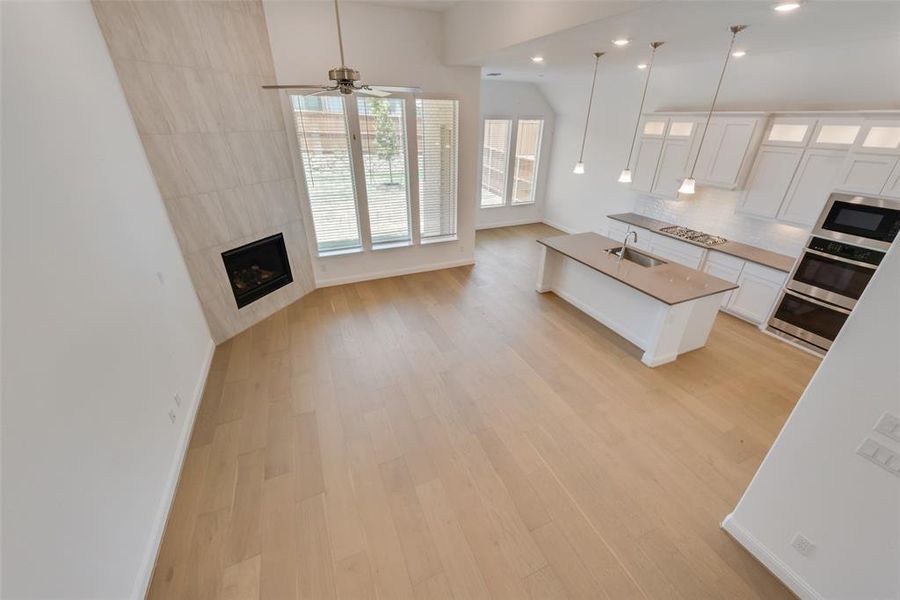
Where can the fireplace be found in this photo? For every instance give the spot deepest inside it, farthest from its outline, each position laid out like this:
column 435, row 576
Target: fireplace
column 257, row 269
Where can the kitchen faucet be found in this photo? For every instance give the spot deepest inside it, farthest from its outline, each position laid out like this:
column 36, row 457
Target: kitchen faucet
column 625, row 243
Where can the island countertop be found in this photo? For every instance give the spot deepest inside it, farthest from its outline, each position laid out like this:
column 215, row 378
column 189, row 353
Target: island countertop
column 767, row 258
column 670, row 283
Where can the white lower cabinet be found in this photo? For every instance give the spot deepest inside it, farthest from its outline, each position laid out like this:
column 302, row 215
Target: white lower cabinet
column 725, row 267
column 675, row 251
column 758, row 291
column 617, row 230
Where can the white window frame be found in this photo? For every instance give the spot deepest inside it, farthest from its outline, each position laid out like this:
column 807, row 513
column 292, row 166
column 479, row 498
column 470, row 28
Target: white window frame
column 351, row 113
column 511, row 159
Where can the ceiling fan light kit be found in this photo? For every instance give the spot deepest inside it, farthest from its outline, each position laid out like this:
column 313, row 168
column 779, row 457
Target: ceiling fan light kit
column 579, row 166
column 625, row 176
column 688, row 185
column 344, row 79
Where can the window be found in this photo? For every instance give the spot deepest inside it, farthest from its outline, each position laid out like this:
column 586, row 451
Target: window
column 436, row 125
column 528, row 145
column 383, row 138
column 494, row 159
column 325, row 150
column 362, row 188
column 497, row 162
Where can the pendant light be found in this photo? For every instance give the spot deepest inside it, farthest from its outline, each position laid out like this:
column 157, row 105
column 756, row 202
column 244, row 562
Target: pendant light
column 625, row 176
column 579, row 166
column 688, row 185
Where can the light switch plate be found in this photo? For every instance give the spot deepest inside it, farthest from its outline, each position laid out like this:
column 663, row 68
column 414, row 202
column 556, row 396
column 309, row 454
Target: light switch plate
column 889, row 425
column 880, row 455
column 802, row 544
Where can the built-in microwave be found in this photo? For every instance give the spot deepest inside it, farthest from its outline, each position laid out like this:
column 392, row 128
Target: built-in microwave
column 859, row 220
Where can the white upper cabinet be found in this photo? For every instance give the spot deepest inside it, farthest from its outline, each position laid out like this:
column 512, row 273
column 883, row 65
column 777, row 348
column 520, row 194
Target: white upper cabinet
column 865, row 173
column 837, row 134
column 813, row 182
column 654, row 127
column 879, row 137
column 645, row 163
column 727, row 151
column 770, row 180
column 673, row 167
column 789, row 131
column 892, row 187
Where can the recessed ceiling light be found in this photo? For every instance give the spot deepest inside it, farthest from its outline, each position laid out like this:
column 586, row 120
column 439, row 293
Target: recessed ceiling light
column 739, row 53
column 493, row 74
column 642, row 66
column 787, row 6
column 621, row 42
column 537, row 59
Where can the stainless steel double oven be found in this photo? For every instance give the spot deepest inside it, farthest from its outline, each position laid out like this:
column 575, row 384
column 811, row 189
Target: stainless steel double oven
column 845, row 247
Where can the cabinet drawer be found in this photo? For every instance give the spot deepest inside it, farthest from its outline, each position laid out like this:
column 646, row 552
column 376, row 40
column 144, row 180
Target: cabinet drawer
column 680, row 252
column 725, row 261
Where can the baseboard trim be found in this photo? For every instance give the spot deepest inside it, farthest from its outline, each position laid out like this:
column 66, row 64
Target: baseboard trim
column 320, row 283
column 559, row 226
column 142, row 583
column 770, row 560
column 511, row 223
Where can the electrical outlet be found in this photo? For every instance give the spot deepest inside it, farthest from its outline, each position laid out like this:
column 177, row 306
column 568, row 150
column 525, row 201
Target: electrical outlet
column 177, row 399
column 889, row 425
column 880, row 455
column 172, row 415
column 802, row 545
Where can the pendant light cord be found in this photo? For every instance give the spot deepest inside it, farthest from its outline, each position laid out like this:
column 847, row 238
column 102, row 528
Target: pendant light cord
column 587, row 118
column 735, row 29
column 637, row 124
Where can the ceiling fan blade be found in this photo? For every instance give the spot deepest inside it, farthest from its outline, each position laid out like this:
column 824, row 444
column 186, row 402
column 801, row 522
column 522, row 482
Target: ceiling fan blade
column 400, row 89
column 297, row 87
column 368, row 91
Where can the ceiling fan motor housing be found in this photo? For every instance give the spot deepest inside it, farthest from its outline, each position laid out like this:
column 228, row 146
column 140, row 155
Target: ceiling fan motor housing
column 342, row 74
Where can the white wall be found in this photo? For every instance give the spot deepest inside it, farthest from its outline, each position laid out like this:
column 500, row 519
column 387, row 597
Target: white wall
column 94, row 345
column 822, row 78
column 813, row 482
column 389, row 46
column 517, row 100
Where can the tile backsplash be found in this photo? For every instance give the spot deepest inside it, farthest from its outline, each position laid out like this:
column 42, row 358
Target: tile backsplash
column 713, row 211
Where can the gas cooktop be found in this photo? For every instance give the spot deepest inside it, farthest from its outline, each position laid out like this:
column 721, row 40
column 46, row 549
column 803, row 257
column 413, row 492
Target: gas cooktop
column 693, row 235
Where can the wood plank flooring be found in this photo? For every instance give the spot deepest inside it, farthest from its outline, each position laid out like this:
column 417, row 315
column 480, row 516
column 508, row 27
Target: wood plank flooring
column 454, row 434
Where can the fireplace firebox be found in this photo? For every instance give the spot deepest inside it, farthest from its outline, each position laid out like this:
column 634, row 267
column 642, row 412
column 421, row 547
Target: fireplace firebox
column 257, row 269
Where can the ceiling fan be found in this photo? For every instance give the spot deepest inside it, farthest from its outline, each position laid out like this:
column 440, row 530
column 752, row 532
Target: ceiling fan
column 344, row 79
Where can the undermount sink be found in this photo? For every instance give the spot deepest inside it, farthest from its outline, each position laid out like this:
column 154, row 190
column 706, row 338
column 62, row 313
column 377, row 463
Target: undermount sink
column 645, row 260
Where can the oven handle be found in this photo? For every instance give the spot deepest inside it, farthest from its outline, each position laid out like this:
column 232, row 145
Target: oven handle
column 841, row 258
column 814, row 301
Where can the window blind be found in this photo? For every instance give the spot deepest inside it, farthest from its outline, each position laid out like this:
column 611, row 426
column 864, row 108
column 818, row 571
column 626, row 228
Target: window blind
column 437, row 122
column 383, row 138
column 494, row 155
column 325, row 149
column 528, row 150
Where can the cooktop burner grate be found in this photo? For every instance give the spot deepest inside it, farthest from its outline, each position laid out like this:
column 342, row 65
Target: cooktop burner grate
column 693, row 235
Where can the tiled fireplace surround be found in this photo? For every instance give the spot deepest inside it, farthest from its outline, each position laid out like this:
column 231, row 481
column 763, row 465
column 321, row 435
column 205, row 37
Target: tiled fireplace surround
column 216, row 142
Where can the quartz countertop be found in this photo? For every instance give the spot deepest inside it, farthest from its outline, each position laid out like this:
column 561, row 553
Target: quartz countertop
column 670, row 283
column 767, row 258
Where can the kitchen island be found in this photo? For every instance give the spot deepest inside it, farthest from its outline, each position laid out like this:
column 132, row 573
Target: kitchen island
column 664, row 308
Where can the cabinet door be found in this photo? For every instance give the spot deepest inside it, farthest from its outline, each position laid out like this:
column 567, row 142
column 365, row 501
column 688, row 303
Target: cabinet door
column 644, row 238
column 672, row 168
column 646, row 162
column 758, row 291
column 879, row 137
column 727, row 271
column 725, row 150
column 865, row 173
column 770, row 179
column 617, row 230
column 789, row 131
column 892, row 187
column 815, row 180
column 838, row 133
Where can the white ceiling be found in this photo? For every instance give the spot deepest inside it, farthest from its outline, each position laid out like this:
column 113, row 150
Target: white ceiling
column 696, row 31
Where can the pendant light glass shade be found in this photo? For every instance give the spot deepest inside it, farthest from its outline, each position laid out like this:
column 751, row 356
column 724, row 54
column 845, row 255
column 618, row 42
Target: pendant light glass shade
column 579, row 166
column 625, row 176
column 688, row 185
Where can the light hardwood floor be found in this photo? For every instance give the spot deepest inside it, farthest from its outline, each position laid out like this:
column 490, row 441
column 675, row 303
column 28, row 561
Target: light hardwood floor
column 456, row 435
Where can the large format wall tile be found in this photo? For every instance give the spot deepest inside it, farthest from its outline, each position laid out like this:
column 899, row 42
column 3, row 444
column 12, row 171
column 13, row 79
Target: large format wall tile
column 215, row 140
